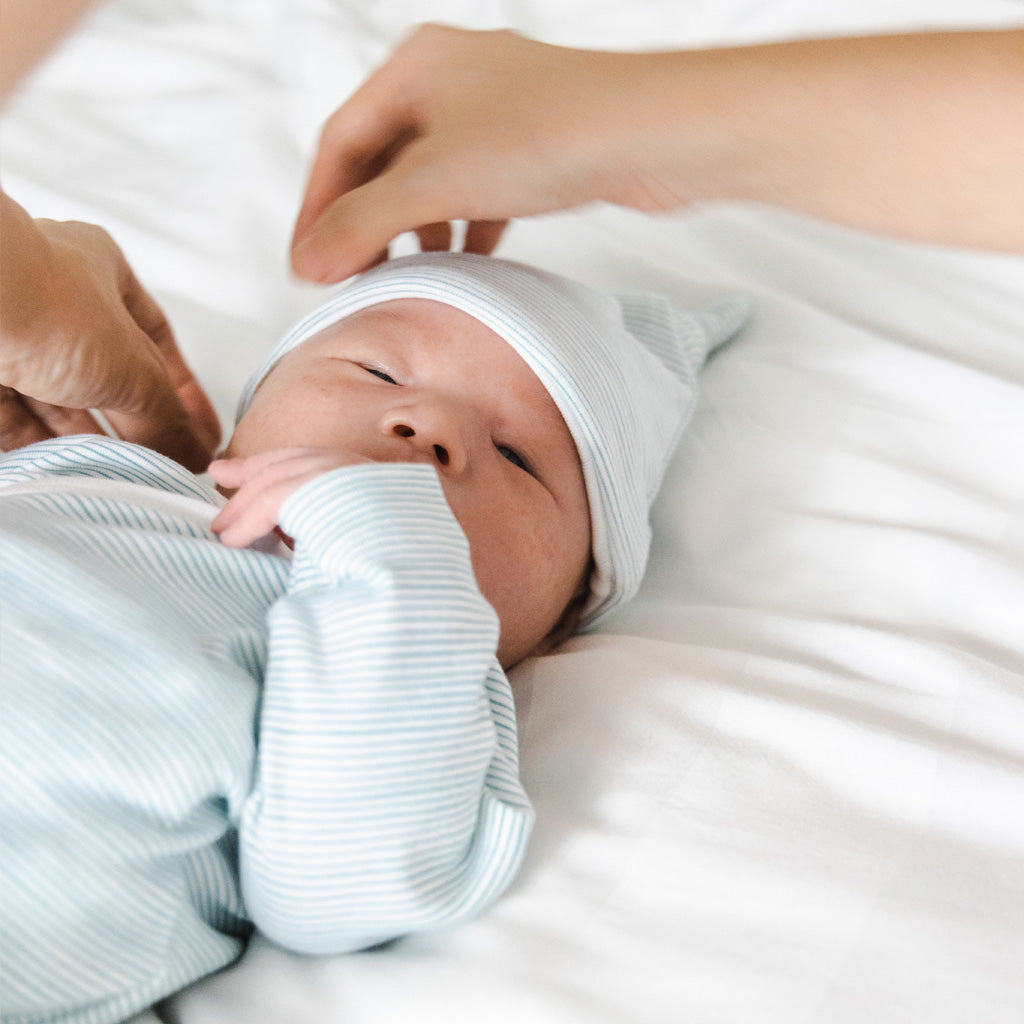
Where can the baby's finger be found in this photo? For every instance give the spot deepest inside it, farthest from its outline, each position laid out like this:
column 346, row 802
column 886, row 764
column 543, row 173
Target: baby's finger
column 229, row 473
column 263, row 483
column 240, row 528
column 234, row 472
column 253, row 511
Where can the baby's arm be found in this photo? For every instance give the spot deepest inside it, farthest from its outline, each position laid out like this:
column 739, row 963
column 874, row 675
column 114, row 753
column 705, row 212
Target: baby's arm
column 387, row 797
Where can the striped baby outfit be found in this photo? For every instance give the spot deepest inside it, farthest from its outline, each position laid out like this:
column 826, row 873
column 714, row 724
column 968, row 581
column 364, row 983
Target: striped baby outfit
column 196, row 739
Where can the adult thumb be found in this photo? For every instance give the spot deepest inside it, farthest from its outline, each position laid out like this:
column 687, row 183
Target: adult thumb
column 353, row 233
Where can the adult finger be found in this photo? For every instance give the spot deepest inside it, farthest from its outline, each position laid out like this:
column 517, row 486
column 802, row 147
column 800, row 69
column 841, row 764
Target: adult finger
column 168, row 409
column 18, row 427
column 435, row 237
column 24, row 421
column 353, row 231
column 61, row 421
column 483, row 236
column 357, row 142
column 197, row 405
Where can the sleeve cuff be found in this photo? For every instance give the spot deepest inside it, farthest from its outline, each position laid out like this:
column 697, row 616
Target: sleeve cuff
column 390, row 516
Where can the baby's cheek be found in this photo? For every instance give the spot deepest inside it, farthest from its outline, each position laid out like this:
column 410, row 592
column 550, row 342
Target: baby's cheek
column 550, row 566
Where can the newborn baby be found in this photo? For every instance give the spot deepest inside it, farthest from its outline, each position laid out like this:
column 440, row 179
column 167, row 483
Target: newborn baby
column 306, row 725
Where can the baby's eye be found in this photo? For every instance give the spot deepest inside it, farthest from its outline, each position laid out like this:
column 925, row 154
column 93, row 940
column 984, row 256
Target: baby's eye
column 380, row 373
column 513, row 456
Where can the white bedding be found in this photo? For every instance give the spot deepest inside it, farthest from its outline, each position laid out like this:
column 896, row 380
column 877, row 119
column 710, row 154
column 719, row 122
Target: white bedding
column 787, row 784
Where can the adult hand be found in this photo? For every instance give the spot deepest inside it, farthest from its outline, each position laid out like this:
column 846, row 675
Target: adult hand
column 78, row 332
column 914, row 135
column 458, row 124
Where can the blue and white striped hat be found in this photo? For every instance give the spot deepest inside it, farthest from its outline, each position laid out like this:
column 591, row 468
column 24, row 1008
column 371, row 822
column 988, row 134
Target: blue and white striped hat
column 622, row 371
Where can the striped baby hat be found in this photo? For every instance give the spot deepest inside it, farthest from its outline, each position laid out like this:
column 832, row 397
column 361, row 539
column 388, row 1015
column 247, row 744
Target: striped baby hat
column 622, row 371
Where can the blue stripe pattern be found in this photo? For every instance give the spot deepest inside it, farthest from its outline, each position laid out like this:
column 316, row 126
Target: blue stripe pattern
column 195, row 740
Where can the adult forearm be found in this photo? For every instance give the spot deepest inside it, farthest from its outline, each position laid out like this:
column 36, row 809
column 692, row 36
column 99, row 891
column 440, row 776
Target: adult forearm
column 29, row 29
column 916, row 135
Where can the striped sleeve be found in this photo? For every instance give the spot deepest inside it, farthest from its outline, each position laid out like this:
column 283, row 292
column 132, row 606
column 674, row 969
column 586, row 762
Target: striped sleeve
column 387, row 797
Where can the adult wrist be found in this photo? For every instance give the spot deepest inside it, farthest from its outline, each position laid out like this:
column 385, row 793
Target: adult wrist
column 676, row 127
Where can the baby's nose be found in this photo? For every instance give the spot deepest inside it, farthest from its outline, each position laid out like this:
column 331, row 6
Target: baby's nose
column 440, row 451
column 433, row 431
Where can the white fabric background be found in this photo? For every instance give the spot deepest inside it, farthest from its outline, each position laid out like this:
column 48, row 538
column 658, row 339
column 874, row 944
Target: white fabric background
column 786, row 784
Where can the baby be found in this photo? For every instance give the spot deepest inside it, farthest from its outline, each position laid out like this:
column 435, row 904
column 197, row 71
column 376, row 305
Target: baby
column 307, row 726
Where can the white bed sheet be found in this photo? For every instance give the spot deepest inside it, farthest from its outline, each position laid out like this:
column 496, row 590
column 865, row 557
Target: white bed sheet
column 786, row 784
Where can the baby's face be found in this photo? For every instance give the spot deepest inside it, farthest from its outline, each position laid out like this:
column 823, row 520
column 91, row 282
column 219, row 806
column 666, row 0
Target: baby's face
column 414, row 380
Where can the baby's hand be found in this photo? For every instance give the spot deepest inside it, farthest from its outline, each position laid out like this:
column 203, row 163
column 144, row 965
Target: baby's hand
column 261, row 483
